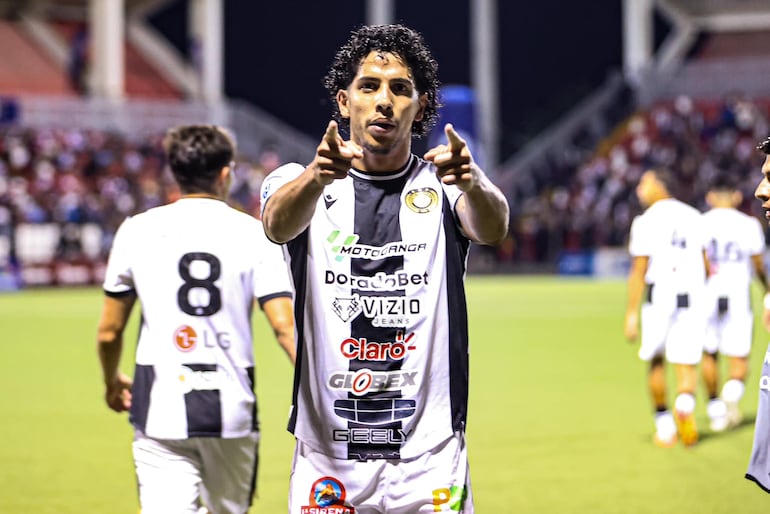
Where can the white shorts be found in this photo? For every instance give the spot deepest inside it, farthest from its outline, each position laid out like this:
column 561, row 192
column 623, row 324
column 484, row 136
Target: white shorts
column 731, row 331
column 437, row 481
column 677, row 334
column 175, row 476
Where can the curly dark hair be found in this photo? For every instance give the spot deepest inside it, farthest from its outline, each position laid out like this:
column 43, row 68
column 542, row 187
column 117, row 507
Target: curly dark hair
column 764, row 146
column 196, row 154
column 395, row 39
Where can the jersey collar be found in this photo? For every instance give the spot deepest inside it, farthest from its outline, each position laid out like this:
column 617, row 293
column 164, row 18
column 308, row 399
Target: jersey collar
column 376, row 177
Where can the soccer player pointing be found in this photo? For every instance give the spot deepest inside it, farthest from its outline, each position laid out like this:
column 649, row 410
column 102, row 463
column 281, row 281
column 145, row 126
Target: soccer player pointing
column 378, row 240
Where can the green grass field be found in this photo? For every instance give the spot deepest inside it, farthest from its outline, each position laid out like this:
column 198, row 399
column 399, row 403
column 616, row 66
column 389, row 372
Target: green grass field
column 559, row 417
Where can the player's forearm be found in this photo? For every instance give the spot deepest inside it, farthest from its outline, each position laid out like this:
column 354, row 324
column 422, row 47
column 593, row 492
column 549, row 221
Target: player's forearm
column 289, row 210
column 635, row 292
column 286, row 341
column 109, row 348
column 487, row 212
column 280, row 315
column 636, row 284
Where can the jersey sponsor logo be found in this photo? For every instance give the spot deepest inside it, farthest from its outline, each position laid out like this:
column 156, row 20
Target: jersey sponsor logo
column 186, row 338
column 370, row 435
column 346, row 308
column 190, row 380
column 347, row 246
column 374, row 411
column 452, row 497
column 327, row 496
column 384, row 311
column 379, row 282
column 365, row 381
column 365, row 350
column 764, row 383
column 329, row 200
column 421, row 200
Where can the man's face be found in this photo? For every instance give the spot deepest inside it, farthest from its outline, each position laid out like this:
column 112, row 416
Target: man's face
column 763, row 189
column 647, row 189
column 381, row 103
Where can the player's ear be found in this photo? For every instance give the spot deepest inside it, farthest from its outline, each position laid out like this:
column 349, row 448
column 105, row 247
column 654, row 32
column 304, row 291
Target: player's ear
column 423, row 101
column 342, row 103
column 226, row 172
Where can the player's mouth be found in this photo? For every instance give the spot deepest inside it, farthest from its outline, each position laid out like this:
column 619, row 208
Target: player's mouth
column 382, row 126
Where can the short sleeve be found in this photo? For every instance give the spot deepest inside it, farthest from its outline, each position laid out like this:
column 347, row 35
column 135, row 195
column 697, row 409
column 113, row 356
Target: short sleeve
column 637, row 240
column 118, row 278
column 277, row 178
column 272, row 278
column 453, row 194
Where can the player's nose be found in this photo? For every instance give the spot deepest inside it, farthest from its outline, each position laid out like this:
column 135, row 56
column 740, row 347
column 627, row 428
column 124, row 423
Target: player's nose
column 762, row 192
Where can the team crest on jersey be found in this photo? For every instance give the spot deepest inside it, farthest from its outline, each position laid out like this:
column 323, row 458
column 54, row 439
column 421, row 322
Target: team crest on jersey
column 327, row 496
column 424, row 199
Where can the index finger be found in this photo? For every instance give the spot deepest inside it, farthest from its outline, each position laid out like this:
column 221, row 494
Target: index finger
column 331, row 136
column 456, row 143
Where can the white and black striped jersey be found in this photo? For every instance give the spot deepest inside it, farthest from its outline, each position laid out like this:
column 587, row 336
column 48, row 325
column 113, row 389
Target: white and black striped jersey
column 196, row 266
column 732, row 239
column 671, row 234
column 382, row 365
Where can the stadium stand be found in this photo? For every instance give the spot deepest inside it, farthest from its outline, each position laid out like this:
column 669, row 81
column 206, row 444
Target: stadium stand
column 25, row 66
column 698, row 103
column 74, row 161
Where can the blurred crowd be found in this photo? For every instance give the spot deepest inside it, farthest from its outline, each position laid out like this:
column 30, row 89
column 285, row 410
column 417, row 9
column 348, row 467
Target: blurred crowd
column 583, row 196
column 73, row 176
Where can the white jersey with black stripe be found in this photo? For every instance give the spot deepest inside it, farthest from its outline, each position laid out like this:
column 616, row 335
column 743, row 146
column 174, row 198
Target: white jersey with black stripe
column 382, row 366
column 671, row 234
column 196, row 265
column 732, row 239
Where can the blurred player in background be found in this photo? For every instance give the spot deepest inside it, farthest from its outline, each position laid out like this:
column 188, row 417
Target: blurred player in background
column 196, row 266
column 735, row 248
column 668, row 270
column 759, row 463
column 378, row 239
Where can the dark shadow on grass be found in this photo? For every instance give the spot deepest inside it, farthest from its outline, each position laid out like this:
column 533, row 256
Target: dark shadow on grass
column 747, row 423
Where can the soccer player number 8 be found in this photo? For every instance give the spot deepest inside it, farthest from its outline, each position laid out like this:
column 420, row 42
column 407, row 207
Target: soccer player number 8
column 190, row 283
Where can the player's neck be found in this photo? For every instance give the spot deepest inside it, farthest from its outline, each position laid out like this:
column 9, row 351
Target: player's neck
column 374, row 163
column 203, row 195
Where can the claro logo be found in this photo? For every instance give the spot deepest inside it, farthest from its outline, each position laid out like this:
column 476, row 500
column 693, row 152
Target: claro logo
column 362, row 349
